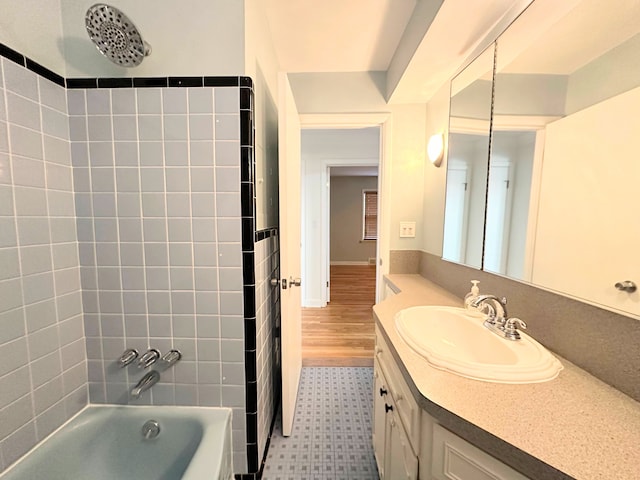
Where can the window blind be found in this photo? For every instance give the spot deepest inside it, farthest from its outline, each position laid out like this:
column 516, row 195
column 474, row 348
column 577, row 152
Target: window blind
column 370, row 215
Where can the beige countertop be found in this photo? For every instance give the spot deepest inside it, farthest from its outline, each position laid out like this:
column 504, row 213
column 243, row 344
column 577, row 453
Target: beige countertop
column 574, row 426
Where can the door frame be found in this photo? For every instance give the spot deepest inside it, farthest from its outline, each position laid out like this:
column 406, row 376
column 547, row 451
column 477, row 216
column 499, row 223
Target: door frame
column 362, row 120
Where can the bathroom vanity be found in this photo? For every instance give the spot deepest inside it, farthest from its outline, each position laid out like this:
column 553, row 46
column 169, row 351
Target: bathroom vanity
column 432, row 424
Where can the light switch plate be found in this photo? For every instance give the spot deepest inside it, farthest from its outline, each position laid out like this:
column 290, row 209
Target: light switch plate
column 407, row 229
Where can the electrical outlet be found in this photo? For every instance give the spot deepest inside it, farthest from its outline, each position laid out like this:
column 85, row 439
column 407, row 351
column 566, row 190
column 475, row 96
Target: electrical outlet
column 407, row 229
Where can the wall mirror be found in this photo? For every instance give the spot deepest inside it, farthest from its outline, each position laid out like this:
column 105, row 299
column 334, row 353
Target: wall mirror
column 563, row 205
column 467, row 160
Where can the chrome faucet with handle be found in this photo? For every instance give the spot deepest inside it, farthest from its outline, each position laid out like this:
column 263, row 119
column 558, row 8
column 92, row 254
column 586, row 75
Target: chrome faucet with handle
column 498, row 320
column 497, row 313
column 145, row 383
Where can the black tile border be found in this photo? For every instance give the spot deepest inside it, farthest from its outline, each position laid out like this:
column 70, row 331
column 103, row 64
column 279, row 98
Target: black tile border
column 246, row 164
column 247, row 208
column 221, row 81
column 248, row 269
column 115, row 83
column 250, row 358
column 265, row 233
column 251, row 328
column 246, row 98
column 45, row 72
column 186, row 81
column 246, row 128
column 11, row 54
column 151, row 82
column 81, row 83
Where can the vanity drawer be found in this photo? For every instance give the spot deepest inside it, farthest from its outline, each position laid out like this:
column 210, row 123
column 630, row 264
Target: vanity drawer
column 406, row 407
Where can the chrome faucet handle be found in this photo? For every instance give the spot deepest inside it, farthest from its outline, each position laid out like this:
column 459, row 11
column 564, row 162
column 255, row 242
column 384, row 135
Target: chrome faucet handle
column 127, row 357
column 511, row 327
column 170, row 358
column 150, row 357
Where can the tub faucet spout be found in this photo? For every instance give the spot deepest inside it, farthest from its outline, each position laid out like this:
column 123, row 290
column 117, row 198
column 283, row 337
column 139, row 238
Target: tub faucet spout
column 145, row 383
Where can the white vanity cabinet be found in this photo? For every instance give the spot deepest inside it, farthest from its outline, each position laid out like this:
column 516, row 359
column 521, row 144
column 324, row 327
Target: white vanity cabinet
column 394, row 453
column 409, row 444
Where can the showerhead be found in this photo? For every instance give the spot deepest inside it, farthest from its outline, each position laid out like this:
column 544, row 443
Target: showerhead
column 116, row 37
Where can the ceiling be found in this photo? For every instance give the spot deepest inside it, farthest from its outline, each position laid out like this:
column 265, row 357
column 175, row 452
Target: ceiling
column 337, row 35
column 312, row 36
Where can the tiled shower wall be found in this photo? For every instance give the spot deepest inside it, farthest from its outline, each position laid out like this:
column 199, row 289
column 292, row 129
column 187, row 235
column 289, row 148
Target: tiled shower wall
column 157, row 182
column 43, row 379
column 267, row 266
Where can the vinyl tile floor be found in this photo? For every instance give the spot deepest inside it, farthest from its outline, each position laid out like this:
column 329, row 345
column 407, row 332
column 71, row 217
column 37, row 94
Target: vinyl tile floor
column 331, row 437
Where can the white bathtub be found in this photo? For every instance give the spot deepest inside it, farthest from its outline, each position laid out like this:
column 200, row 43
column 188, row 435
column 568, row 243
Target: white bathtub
column 106, row 443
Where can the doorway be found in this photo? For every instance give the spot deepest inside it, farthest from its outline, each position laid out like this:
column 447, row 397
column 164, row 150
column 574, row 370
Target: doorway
column 340, row 181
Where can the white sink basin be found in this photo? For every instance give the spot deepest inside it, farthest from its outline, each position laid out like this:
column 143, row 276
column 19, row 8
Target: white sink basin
column 455, row 340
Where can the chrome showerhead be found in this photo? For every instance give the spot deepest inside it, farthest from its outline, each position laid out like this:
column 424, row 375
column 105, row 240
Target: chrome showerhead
column 116, row 37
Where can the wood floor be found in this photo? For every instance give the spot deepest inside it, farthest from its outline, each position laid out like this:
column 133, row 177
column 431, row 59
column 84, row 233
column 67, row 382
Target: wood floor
column 342, row 334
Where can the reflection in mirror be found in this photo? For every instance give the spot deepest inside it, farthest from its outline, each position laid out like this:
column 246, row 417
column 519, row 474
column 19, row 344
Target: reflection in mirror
column 467, row 161
column 510, row 176
column 564, row 170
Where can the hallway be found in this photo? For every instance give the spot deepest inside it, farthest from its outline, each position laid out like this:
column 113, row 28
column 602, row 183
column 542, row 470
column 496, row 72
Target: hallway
column 342, row 333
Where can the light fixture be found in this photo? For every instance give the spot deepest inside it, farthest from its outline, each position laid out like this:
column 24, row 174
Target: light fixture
column 435, row 148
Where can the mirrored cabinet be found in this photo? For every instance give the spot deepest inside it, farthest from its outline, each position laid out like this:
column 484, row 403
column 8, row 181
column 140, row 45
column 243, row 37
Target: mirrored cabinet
column 561, row 199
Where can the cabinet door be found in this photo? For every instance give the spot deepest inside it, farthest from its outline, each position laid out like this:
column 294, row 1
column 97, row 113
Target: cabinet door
column 402, row 464
column 455, row 458
column 379, row 418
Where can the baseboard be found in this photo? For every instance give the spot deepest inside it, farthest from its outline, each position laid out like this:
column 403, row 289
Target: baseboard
column 314, row 304
column 339, row 262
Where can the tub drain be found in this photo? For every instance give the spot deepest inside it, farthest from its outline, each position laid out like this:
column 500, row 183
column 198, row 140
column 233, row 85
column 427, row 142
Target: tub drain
column 151, row 429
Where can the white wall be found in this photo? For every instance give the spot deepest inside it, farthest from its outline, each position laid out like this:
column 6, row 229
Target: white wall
column 435, row 179
column 34, row 29
column 199, row 38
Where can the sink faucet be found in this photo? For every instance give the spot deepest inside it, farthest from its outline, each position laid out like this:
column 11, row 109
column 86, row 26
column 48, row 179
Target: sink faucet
column 498, row 320
column 145, row 383
column 498, row 308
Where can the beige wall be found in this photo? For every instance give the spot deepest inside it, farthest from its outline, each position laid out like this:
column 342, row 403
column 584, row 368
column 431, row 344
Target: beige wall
column 346, row 243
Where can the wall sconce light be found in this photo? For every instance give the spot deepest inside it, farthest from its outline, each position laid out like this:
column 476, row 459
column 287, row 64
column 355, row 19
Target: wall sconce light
column 435, row 149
